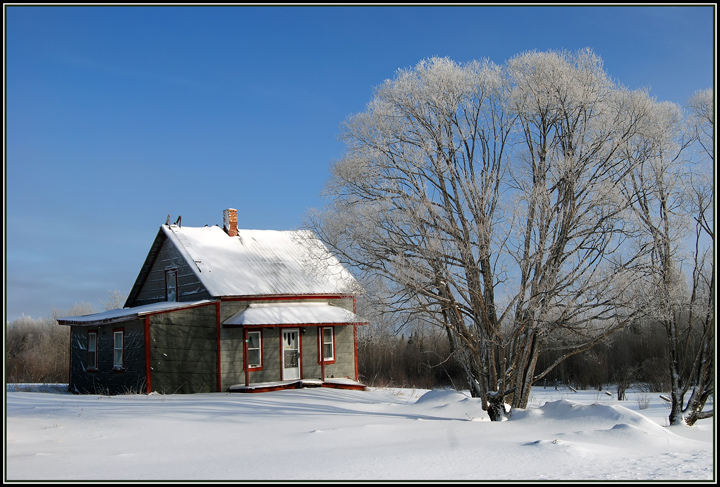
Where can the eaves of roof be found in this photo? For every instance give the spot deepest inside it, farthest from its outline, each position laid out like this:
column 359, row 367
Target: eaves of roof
column 129, row 314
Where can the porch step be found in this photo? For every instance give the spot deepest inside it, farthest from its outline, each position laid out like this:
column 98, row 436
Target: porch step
column 299, row 384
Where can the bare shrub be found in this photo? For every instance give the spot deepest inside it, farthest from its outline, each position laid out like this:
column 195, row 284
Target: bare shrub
column 643, row 401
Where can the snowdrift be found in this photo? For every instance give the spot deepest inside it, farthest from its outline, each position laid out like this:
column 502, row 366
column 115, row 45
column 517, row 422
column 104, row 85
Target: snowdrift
column 342, row 435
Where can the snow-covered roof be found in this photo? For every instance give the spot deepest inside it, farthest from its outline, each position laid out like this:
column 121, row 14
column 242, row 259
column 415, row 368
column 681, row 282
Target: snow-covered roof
column 261, row 262
column 127, row 314
column 306, row 313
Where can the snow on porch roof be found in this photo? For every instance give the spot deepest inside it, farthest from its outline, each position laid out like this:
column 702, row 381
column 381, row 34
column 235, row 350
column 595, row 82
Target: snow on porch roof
column 127, row 314
column 261, row 262
column 310, row 313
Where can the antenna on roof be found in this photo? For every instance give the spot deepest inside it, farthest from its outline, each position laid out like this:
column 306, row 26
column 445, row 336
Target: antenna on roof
column 167, row 222
column 178, row 222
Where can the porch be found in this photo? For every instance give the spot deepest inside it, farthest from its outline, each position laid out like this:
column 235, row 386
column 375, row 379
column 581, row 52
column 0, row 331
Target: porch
column 339, row 383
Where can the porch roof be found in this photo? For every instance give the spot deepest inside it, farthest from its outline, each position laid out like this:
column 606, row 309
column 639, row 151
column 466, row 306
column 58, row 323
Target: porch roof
column 278, row 314
column 128, row 314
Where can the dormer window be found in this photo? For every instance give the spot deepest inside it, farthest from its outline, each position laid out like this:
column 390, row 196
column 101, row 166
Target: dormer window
column 171, row 285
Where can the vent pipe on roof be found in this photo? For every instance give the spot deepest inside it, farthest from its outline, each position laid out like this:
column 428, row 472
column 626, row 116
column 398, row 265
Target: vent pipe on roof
column 230, row 222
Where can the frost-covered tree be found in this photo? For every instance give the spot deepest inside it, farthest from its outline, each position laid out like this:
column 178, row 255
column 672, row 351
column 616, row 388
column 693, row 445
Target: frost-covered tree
column 115, row 300
column 672, row 194
column 571, row 274
column 701, row 377
column 37, row 350
column 487, row 200
column 702, row 121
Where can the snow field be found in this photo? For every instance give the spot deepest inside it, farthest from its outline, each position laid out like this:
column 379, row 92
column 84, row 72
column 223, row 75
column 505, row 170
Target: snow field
column 333, row 434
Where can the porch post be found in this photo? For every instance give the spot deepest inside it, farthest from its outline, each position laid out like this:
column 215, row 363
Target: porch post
column 245, row 360
column 321, row 344
column 219, row 355
column 357, row 375
column 148, row 365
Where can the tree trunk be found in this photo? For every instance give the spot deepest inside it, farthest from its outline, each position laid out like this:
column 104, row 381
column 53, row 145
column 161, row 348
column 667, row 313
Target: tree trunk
column 496, row 406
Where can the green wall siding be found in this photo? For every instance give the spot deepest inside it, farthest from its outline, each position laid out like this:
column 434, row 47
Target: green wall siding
column 183, row 351
column 344, row 365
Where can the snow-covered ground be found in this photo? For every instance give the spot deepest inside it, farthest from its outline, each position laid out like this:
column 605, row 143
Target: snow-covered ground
column 378, row 434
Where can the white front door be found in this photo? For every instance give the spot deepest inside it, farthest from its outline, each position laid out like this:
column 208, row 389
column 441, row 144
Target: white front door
column 290, row 354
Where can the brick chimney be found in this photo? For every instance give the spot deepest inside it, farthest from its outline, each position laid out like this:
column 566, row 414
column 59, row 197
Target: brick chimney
column 230, row 222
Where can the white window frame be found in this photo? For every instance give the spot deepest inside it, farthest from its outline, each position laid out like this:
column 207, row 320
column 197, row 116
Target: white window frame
column 258, row 348
column 324, row 341
column 118, row 349
column 92, row 350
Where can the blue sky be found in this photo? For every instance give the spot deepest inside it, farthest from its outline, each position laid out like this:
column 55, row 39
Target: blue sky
column 118, row 116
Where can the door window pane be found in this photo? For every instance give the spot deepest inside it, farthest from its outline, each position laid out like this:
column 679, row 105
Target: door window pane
column 291, row 352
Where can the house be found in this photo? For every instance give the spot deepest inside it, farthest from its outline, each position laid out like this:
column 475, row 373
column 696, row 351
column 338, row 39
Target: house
column 218, row 309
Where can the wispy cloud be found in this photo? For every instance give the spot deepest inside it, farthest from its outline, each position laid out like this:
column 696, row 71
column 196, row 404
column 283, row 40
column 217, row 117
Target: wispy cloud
column 131, row 73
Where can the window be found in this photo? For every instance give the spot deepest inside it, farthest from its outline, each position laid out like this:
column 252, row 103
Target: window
column 171, row 285
column 92, row 350
column 327, row 337
column 118, row 349
column 254, row 349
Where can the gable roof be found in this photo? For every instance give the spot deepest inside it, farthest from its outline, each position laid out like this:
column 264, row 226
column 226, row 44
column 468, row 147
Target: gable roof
column 255, row 262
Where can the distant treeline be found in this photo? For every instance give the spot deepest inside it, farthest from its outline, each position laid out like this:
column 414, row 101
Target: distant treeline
column 635, row 356
column 36, row 350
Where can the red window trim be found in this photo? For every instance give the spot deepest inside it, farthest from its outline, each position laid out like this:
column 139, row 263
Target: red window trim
column 148, row 365
column 122, row 367
column 262, row 359
column 321, row 344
